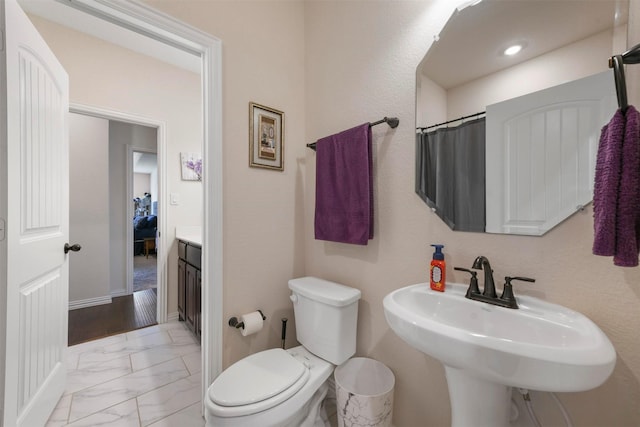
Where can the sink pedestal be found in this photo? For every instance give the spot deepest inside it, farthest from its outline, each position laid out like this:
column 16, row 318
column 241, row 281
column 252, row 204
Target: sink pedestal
column 476, row 402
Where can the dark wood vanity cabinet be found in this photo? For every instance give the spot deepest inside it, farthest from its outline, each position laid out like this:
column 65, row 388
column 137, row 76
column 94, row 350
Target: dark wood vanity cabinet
column 182, row 271
column 189, row 285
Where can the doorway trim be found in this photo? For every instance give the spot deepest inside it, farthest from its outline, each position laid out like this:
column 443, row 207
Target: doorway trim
column 161, row 148
column 161, row 267
column 146, row 20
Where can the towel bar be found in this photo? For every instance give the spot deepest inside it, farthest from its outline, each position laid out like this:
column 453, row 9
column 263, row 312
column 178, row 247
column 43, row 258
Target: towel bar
column 393, row 123
column 632, row 56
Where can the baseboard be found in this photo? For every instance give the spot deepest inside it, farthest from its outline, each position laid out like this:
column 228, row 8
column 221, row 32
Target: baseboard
column 173, row 317
column 89, row 302
column 119, row 293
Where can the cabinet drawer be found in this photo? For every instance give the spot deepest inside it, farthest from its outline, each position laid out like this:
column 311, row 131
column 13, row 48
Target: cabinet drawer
column 182, row 249
column 194, row 254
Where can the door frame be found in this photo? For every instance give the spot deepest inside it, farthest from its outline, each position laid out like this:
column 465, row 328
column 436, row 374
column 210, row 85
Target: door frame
column 161, row 253
column 161, row 150
column 146, row 20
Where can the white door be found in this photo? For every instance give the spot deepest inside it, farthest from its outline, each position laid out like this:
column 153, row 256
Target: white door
column 541, row 152
column 34, row 201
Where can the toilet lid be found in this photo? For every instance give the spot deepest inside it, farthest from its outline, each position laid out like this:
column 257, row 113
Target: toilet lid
column 255, row 378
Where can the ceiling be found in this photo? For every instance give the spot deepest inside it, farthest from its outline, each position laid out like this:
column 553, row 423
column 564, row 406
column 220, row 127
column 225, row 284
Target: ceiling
column 469, row 47
column 62, row 14
column 472, row 43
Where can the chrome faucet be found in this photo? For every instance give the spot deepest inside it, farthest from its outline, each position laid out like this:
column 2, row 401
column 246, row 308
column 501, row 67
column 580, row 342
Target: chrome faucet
column 482, row 263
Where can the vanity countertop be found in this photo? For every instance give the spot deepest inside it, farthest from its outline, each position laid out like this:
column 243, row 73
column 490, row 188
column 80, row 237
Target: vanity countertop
column 191, row 234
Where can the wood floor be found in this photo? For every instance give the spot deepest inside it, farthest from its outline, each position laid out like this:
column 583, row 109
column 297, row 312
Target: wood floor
column 124, row 314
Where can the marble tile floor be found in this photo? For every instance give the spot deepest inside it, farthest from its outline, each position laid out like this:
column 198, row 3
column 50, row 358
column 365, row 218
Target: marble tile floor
column 146, row 377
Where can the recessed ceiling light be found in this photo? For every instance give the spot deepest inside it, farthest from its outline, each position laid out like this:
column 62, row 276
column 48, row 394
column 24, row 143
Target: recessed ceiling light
column 512, row 50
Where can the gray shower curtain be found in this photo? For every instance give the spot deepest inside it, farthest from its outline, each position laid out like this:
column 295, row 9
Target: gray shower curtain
column 450, row 174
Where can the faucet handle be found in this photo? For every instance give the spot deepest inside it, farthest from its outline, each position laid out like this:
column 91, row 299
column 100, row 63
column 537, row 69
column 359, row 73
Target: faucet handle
column 507, row 291
column 473, row 283
column 524, row 279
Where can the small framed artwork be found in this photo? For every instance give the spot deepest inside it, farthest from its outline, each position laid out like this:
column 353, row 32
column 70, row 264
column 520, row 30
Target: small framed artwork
column 191, row 166
column 266, row 137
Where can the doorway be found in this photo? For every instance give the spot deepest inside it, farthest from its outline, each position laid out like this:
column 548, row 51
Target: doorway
column 145, row 219
column 142, row 199
column 114, row 201
column 145, row 20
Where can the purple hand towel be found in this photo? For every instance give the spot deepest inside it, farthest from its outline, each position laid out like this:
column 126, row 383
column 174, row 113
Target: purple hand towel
column 628, row 211
column 605, row 189
column 344, row 187
column 616, row 195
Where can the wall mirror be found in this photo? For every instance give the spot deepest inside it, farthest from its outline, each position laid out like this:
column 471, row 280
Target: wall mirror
column 514, row 150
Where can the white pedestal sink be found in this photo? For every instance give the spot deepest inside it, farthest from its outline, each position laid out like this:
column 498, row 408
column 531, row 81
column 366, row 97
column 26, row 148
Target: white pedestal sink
column 487, row 349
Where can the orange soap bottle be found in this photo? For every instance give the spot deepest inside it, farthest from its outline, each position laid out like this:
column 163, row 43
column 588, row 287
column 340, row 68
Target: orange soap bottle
column 438, row 269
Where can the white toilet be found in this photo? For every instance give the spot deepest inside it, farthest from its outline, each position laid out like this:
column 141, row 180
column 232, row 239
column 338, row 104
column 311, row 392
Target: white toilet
column 284, row 388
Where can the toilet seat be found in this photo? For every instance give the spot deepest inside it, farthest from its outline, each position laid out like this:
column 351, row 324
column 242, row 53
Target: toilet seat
column 257, row 383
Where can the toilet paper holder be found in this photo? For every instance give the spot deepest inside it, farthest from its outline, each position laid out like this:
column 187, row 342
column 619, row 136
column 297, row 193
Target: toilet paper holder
column 237, row 324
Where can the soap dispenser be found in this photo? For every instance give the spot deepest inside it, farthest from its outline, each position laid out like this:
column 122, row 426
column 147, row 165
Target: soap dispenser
column 437, row 270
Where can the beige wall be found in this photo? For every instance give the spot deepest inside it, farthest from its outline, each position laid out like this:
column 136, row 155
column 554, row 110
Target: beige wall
column 107, row 76
column 361, row 59
column 263, row 61
column 141, row 184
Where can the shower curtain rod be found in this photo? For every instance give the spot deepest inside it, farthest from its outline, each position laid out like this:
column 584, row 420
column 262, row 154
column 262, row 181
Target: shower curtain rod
column 392, row 121
column 422, row 129
column 632, row 56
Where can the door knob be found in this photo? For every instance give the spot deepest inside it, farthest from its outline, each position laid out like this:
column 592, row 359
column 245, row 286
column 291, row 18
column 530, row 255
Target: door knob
column 74, row 248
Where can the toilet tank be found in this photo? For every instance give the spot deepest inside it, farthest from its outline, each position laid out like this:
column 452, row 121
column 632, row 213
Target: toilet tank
column 326, row 316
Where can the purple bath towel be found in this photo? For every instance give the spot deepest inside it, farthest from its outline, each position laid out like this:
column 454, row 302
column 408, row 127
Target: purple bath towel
column 616, row 197
column 605, row 188
column 628, row 212
column 344, row 187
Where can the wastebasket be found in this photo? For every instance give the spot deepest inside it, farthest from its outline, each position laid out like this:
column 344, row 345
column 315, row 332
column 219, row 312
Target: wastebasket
column 364, row 393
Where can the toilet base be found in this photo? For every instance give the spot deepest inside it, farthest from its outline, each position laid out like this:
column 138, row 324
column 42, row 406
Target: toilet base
column 314, row 410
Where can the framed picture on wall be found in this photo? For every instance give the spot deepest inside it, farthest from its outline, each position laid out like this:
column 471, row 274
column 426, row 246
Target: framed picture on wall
column 191, row 166
column 266, row 137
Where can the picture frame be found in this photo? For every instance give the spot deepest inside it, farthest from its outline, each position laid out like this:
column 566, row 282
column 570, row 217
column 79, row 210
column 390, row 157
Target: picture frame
column 266, row 137
column 191, row 166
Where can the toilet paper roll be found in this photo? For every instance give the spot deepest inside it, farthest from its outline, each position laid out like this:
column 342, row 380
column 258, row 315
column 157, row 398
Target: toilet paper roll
column 252, row 323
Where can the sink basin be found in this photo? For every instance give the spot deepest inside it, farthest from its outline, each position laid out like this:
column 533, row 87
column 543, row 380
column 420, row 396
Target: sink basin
column 488, row 349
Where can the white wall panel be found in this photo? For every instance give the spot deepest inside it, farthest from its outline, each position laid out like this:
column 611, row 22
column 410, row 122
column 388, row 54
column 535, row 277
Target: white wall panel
column 41, row 326
column 40, row 187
